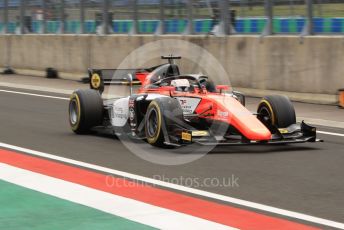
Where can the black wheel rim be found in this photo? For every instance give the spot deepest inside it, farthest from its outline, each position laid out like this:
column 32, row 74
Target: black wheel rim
column 152, row 126
column 73, row 111
column 265, row 116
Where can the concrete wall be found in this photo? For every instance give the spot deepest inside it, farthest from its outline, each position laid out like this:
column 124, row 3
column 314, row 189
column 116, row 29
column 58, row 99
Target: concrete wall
column 287, row 63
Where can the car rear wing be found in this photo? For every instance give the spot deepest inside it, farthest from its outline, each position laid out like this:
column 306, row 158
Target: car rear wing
column 98, row 78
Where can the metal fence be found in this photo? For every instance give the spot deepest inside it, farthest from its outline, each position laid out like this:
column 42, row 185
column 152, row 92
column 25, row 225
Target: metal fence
column 218, row 17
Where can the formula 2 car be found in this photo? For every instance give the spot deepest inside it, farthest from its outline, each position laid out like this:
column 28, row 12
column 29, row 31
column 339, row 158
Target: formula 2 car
column 172, row 109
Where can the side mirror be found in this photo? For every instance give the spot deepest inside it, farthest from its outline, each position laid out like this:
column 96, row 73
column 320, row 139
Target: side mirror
column 240, row 97
column 222, row 87
column 130, row 80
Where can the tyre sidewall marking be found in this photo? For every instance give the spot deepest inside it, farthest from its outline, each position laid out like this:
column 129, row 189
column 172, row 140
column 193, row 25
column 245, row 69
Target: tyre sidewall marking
column 273, row 118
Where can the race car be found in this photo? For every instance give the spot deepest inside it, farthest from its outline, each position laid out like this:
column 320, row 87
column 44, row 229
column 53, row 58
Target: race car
column 171, row 109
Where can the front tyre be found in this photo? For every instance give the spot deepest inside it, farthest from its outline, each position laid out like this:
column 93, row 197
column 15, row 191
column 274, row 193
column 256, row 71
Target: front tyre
column 162, row 116
column 85, row 110
column 153, row 124
column 276, row 110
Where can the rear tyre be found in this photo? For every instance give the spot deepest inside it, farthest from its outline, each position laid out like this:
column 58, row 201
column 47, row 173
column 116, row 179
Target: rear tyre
column 161, row 117
column 276, row 110
column 85, row 110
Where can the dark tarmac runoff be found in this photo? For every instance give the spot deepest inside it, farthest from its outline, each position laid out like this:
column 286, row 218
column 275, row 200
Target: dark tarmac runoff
column 305, row 178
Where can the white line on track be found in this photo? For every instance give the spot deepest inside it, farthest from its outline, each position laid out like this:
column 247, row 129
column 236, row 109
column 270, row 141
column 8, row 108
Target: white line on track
column 332, row 134
column 65, row 98
column 194, row 191
column 33, row 94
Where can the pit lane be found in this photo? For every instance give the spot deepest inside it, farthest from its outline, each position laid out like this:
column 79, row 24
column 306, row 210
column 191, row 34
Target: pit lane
column 306, row 178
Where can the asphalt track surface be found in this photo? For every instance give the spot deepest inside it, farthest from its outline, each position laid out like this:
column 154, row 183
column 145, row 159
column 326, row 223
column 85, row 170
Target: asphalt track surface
column 305, row 178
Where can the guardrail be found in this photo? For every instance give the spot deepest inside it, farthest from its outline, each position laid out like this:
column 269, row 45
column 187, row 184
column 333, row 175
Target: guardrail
column 201, row 26
column 219, row 17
